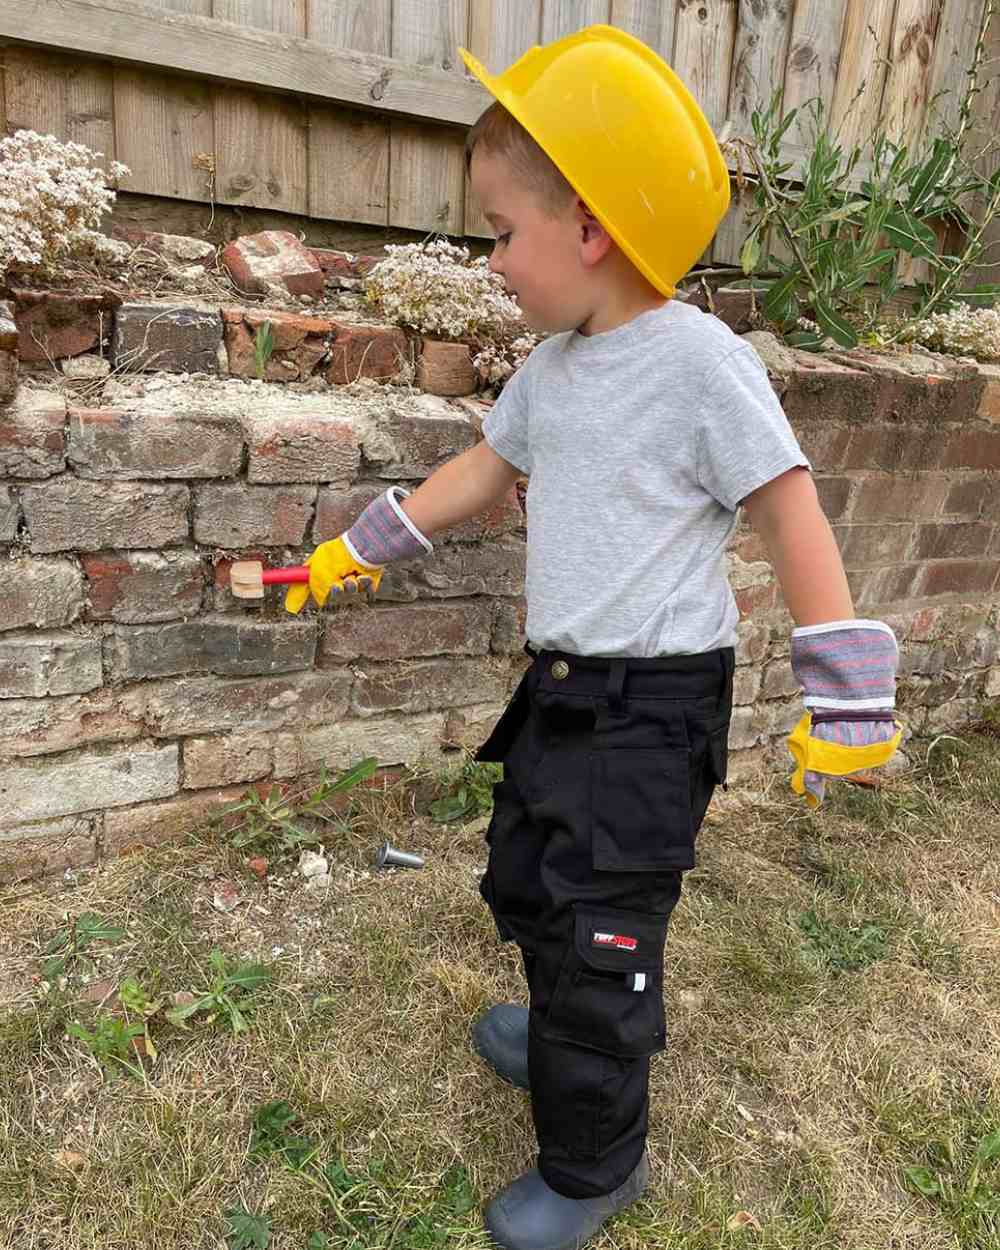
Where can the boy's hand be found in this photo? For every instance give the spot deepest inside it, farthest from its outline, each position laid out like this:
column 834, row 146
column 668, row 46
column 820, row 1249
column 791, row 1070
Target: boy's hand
column 847, row 670
column 332, row 570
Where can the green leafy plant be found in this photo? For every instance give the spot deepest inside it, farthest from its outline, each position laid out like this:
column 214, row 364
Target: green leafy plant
column 271, row 1123
column 136, row 1001
column 843, row 948
column 275, row 821
column 469, row 795
column 246, row 1231
column 111, row 1041
column 69, row 947
column 230, row 994
column 263, row 347
column 826, row 240
column 964, row 1183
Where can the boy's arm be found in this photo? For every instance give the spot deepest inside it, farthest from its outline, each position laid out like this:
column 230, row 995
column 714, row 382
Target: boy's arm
column 786, row 513
column 461, row 489
column 846, row 667
column 395, row 525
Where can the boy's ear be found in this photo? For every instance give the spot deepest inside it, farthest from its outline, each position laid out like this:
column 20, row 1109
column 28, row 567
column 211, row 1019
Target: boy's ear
column 595, row 242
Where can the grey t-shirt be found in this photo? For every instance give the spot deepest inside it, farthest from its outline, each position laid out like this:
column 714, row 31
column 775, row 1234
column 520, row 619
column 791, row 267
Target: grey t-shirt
column 639, row 444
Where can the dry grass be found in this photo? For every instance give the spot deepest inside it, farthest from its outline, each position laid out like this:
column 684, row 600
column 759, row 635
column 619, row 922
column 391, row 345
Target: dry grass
column 832, row 985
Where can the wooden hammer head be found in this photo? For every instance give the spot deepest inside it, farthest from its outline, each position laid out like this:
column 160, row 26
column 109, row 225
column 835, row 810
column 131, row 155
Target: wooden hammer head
column 246, row 579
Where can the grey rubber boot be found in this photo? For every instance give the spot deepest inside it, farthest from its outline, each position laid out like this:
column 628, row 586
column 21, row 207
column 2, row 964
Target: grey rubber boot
column 529, row 1215
column 501, row 1038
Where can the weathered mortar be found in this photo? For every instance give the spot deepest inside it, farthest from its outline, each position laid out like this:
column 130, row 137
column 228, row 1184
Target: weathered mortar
column 136, row 694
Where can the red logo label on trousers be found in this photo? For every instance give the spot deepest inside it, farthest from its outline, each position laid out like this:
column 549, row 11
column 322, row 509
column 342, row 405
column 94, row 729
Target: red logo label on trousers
column 618, row 940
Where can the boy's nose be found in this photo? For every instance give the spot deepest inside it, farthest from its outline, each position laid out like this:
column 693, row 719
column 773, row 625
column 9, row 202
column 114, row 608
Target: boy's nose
column 494, row 263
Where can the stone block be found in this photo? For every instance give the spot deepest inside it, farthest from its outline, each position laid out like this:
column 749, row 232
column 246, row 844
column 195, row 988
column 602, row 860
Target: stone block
column 421, row 686
column 358, row 350
column 225, row 759
column 35, row 664
column 453, row 571
column 285, row 447
column 117, row 444
column 752, row 642
column 84, row 781
column 33, row 851
column 166, row 823
column 176, row 337
column 88, row 516
column 445, row 368
column 779, row 681
column 33, row 435
column 273, row 260
column 226, row 646
column 418, row 433
column 8, row 360
column 54, row 324
column 43, row 726
column 392, row 740
column 299, row 344
column 10, row 516
column 208, row 705
column 179, row 249
column 234, row 515
column 40, row 594
column 404, row 631
column 139, row 587
column 746, row 685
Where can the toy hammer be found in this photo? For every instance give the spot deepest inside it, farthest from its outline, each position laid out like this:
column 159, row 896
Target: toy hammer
column 247, row 578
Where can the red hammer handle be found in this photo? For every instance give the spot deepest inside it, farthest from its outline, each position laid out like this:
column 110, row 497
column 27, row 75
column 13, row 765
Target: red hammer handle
column 287, row 576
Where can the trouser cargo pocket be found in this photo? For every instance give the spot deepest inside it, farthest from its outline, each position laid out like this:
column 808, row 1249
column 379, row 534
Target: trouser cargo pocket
column 641, row 809
column 609, row 996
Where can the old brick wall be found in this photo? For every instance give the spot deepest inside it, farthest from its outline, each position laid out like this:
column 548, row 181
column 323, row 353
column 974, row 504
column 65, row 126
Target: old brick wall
column 137, row 695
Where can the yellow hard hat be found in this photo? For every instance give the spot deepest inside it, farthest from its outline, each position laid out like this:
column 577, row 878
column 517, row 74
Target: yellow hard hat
column 629, row 138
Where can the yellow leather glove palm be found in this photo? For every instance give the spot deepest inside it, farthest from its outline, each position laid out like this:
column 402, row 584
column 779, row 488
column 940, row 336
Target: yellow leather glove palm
column 332, row 570
column 832, row 759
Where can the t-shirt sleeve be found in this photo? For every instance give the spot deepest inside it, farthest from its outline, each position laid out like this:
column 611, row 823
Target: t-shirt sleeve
column 506, row 424
column 744, row 439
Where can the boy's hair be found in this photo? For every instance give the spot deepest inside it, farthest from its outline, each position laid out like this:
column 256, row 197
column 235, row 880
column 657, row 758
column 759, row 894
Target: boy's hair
column 499, row 131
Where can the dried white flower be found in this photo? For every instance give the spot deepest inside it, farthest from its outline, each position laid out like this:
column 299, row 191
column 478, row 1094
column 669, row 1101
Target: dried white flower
column 962, row 331
column 52, row 198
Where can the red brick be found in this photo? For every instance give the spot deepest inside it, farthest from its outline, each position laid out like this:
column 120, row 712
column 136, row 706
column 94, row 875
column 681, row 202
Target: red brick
column 30, row 852
column 343, row 264
column 942, row 577
column 884, row 586
column 40, row 594
column 163, row 823
column 509, row 619
column 167, row 335
column 54, row 324
column 36, row 663
column 109, row 444
column 953, row 540
column 422, row 685
column 380, row 353
column 10, row 514
column 338, row 509
column 233, row 515
column 8, row 359
column 820, row 389
column 490, row 568
column 300, row 343
column 422, row 432
column 898, row 497
column 872, row 546
column 288, row 447
column 227, row 646
column 824, row 444
column 894, row 447
column 43, row 726
column 920, row 388
column 445, row 368
column 399, row 632
column 834, row 495
column 33, row 435
column 507, row 517
column 88, row 516
column 273, row 258
column 972, row 449
column 137, row 587
column 973, row 497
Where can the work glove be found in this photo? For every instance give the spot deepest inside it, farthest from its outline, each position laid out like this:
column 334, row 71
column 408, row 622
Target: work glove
column 847, row 670
column 357, row 559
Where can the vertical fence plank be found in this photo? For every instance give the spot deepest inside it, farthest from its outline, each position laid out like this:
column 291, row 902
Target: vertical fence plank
column 762, row 33
column 907, row 87
column 284, row 17
column 199, row 8
column 498, row 35
column 984, row 132
column 562, row 17
column 814, row 52
column 261, row 153
column 349, row 151
column 652, row 21
column 90, row 107
column 426, row 168
column 953, row 57
column 363, row 25
column 857, row 101
column 164, row 133
column 35, row 88
column 703, row 52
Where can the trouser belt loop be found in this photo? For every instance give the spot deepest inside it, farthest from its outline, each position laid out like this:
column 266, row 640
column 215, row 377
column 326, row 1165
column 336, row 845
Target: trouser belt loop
column 616, row 687
column 727, row 662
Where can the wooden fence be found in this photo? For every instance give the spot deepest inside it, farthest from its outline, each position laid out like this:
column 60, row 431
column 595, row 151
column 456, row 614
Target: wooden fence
column 355, row 110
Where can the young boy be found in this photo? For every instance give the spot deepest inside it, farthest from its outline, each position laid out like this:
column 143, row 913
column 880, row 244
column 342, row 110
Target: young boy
column 643, row 426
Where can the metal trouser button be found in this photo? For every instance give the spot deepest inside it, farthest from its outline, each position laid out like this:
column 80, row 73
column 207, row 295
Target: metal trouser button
column 560, row 670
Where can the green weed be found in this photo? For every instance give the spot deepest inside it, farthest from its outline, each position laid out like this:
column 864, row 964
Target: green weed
column 230, row 994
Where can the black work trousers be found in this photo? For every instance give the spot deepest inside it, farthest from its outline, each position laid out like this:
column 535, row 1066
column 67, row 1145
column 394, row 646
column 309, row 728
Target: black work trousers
column 609, row 766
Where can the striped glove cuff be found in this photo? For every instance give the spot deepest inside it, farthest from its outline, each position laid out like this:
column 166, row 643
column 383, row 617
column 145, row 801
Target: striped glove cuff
column 383, row 532
column 846, row 666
